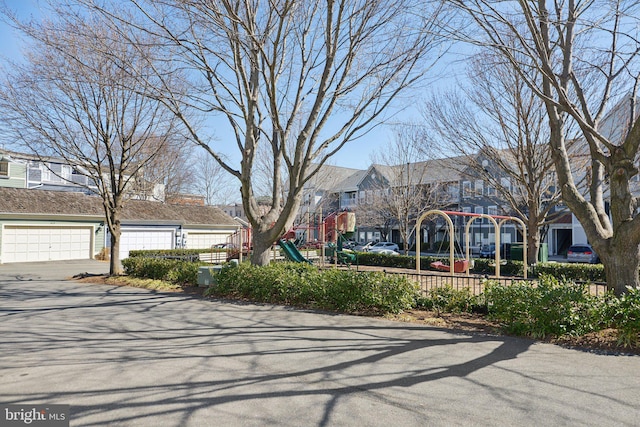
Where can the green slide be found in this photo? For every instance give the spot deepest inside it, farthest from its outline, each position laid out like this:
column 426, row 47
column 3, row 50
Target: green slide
column 291, row 252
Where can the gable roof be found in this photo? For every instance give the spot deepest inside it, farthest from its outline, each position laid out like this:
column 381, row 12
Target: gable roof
column 351, row 182
column 330, row 177
column 426, row 172
column 58, row 203
column 40, row 202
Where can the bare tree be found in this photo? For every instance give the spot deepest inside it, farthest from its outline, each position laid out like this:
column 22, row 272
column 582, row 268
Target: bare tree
column 582, row 58
column 74, row 98
column 409, row 186
column 501, row 128
column 168, row 165
column 214, row 183
column 371, row 211
column 315, row 75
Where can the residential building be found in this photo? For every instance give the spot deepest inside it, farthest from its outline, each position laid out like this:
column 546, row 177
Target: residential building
column 21, row 170
column 38, row 225
column 447, row 184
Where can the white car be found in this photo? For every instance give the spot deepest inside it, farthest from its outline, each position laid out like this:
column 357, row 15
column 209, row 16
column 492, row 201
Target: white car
column 364, row 247
column 387, row 248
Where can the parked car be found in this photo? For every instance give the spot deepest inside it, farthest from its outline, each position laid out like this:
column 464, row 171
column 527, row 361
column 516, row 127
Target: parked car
column 388, row 248
column 363, row 247
column 349, row 244
column 489, row 251
column 582, row 253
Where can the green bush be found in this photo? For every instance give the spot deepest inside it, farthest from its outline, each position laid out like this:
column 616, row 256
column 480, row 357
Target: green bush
column 623, row 313
column 299, row 284
column 397, row 261
column 446, row 299
column 488, row 266
column 550, row 308
column 186, row 254
column 565, row 271
column 171, row 270
column 569, row 271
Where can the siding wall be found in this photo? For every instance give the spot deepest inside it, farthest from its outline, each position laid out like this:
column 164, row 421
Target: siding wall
column 17, row 177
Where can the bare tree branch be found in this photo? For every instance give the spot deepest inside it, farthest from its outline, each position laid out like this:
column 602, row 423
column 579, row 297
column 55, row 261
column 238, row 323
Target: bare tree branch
column 302, row 78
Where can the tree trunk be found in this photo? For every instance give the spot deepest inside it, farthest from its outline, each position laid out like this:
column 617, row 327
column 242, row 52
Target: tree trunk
column 533, row 241
column 114, row 264
column 262, row 242
column 620, row 271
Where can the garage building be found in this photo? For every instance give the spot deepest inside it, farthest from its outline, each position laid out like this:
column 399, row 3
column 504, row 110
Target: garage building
column 37, row 225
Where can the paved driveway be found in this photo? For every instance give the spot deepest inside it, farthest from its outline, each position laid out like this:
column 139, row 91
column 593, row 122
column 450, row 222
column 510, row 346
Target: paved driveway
column 122, row 356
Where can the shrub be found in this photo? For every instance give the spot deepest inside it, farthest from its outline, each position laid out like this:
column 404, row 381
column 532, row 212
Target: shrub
column 184, row 254
column 569, row 271
column 507, row 268
column 397, row 261
column 553, row 307
column 623, row 313
column 291, row 283
column 171, row 270
column 446, row 299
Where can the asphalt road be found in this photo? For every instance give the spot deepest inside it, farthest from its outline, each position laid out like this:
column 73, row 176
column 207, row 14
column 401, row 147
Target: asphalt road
column 130, row 357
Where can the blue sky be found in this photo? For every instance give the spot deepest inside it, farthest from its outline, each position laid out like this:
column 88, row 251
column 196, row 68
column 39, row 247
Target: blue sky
column 356, row 154
column 10, row 46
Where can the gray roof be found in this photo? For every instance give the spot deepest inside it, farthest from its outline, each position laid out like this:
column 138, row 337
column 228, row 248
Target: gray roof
column 426, row 172
column 329, row 177
column 57, row 203
column 351, row 182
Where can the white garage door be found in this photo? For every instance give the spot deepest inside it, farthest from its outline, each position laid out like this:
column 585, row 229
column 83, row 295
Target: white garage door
column 26, row 243
column 205, row 240
column 144, row 239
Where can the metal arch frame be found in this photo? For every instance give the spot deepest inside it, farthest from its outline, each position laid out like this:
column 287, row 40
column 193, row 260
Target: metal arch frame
column 497, row 227
column 451, row 234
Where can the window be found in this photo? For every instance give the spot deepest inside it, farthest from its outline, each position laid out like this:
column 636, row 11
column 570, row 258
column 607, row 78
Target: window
column 491, row 190
column 506, row 183
column 479, row 210
column 4, row 168
column 479, row 187
column 492, row 210
column 466, row 189
column 453, row 191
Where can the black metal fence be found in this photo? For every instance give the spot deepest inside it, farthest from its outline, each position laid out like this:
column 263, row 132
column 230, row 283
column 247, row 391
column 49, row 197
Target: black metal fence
column 477, row 283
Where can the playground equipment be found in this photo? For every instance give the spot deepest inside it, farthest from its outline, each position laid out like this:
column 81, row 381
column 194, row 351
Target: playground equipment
column 291, row 252
column 239, row 244
column 333, row 229
column 459, row 266
column 463, row 265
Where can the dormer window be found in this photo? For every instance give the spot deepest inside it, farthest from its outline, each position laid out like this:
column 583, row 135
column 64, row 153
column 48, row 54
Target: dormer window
column 4, row 167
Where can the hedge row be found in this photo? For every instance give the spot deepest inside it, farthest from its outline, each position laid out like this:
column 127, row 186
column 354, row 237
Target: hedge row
column 575, row 272
column 171, row 270
column 557, row 307
column 178, row 253
column 551, row 308
column 305, row 285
